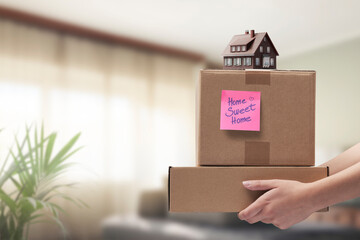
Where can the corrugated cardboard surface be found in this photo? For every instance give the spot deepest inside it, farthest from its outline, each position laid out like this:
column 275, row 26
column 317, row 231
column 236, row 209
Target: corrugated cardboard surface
column 287, row 121
column 220, row 189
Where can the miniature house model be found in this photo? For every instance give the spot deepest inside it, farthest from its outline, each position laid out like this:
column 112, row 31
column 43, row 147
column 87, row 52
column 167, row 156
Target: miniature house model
column 250, row 51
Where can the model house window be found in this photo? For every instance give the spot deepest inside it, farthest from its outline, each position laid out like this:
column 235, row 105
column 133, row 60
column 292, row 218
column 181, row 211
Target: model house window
column 257, row 61
column 248, row 61
column 243, row 48
column 264, row 39
column 238, row 48
column 244, row 61
column 272, row 63
column 229, row 61
column 233, row 48
column 261, row 49
column 266, row 62
column 268, row 49
column 238, row 61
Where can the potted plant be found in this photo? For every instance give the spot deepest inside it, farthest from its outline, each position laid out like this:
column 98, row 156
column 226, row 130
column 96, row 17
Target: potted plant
column 28, row 182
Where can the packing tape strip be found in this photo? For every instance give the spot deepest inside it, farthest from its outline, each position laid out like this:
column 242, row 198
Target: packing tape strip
column 257, row 77
column 257, row 153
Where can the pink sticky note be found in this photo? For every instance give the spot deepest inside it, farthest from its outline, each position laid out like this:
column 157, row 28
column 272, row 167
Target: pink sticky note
column 240, row 110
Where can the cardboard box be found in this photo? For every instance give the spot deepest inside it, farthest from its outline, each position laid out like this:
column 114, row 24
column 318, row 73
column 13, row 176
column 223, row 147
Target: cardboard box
column 287, row 119
column 220, row 189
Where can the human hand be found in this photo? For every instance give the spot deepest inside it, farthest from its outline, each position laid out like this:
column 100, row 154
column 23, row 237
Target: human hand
column 285, row 204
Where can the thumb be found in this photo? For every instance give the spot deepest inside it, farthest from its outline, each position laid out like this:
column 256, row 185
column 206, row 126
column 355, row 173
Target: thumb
column 257, row 185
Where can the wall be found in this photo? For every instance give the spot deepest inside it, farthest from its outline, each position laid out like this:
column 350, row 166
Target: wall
column 337, row 94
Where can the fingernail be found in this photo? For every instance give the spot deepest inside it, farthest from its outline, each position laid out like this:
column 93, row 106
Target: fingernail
column 246, row 183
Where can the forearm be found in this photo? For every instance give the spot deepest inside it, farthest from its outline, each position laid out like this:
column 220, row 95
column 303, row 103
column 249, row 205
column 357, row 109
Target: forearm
column 339, row 187
column 344, row 160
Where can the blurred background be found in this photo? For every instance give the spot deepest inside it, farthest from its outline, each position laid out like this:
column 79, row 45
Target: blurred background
column 123, row 73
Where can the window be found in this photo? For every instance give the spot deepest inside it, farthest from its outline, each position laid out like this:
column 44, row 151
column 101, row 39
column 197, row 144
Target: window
column 244, row 61
column 243, row 48
column 261, row 49
column 237, row 61
column 108, row 108
column 264, row 39
column 229, row 62
column 233, row 48
column 268, row 49
column 257, row 61
column 238, row 48
column 248, row 61
column 266, row 62
column 272, row 62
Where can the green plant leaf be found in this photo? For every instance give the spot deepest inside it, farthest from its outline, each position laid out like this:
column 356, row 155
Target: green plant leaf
column 59, row 157
column 61, row 225
column 49, row 148
column 8, row 201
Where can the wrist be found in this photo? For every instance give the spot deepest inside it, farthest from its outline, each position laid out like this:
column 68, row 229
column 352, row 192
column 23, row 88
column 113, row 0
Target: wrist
column 316, row 197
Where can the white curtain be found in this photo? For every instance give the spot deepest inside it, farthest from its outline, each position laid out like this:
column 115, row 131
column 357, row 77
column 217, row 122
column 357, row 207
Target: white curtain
column 134, row 108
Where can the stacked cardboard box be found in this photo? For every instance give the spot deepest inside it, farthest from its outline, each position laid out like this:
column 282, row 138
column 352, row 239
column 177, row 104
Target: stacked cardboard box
column 251, row 125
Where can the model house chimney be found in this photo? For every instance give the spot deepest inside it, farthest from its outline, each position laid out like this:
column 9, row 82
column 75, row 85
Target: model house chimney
column 252, row 33
column 246, row 31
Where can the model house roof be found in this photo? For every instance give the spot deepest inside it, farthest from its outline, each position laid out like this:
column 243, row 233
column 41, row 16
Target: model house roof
column 253, row 44
column 241, row 39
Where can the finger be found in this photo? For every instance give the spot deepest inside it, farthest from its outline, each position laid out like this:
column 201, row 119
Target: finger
column 252, row 210
column 258, row 217
column 256, row 185
column 266, row 220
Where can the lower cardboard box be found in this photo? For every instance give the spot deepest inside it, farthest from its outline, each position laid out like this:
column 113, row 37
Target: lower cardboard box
column 220, row 189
